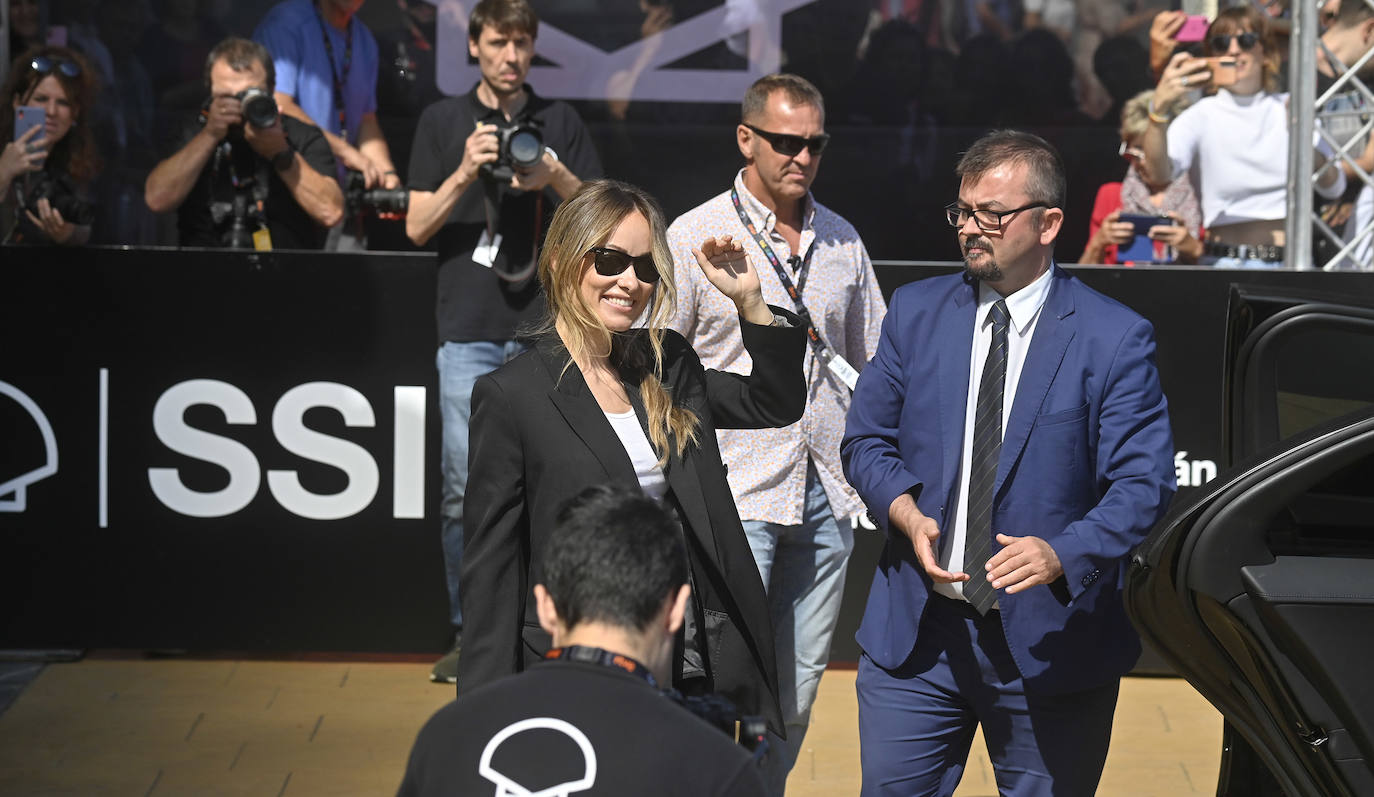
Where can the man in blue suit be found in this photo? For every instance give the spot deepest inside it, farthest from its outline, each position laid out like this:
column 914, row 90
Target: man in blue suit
column 1011, row 438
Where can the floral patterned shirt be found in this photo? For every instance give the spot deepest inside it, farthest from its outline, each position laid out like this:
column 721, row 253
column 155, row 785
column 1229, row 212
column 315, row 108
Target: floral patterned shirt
column 767, row 467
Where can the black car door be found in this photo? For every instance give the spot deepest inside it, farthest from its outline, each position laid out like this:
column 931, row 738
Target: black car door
column 1260, row 590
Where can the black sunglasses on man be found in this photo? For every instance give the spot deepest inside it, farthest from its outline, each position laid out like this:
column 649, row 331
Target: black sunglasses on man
column 790, row 145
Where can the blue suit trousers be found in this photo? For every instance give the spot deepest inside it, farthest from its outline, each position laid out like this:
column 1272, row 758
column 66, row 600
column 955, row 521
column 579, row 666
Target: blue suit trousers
column 916, row 723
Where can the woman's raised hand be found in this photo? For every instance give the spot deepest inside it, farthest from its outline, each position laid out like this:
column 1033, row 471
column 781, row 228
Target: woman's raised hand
column 725, row 265
column 22, row 156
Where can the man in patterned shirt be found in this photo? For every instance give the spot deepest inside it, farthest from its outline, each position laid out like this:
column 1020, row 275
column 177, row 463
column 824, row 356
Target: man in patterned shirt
column 788, row 484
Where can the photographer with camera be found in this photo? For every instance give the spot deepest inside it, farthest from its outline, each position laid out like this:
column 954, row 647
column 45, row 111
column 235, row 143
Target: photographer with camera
column 485, row 198
column 591, row 716
column 47, row 165
column 247, row 176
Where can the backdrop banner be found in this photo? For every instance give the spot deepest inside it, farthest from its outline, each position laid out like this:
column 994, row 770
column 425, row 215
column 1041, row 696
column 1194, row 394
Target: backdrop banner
column 228, row 451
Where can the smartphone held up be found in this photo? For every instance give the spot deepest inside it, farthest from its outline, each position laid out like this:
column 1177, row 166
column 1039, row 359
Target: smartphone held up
column 1223, row 68
column 30, row 117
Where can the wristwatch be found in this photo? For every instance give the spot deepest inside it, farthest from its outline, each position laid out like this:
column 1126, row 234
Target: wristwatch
column 283, row 160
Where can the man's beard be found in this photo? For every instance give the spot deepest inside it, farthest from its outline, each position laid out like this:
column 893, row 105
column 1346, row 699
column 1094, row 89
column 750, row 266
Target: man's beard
column 989, row 271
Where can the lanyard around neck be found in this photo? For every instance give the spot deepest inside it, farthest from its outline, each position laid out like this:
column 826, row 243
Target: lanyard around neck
column 605, row 658
column 793, row 290
column 339, row 80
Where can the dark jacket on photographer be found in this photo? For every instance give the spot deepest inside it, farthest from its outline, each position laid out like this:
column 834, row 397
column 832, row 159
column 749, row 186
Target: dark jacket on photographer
column 475, row 303
column 206, row 216
column 62, row 191
column 637, row 741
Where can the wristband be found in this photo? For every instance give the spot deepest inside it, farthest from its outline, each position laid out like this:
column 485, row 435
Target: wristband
column 1154, row 117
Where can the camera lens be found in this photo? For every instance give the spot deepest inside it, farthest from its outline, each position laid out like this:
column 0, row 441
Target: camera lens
column 259, row 108
column 526, row 148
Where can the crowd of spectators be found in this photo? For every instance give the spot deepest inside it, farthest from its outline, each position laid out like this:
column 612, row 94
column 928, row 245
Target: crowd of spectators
column 910, row 82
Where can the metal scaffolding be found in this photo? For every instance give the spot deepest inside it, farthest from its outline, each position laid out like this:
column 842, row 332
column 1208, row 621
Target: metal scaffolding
column 1341, row 116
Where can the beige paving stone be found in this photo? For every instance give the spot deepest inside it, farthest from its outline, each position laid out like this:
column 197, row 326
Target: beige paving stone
column 149, row 728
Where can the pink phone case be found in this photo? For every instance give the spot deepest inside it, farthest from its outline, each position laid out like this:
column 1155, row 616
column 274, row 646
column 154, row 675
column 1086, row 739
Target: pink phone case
column 1194, row 29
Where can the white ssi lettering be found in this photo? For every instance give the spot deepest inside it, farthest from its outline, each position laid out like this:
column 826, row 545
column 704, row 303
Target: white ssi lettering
column 169, row 423
column 408, row 478
column 289, row 427
column 245, row 473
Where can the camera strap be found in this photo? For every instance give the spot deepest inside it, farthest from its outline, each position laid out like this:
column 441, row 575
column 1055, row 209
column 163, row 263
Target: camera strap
column 591, row 655
column 491, row 203
column 256, row 183
column 339, row 81
column 833, row 361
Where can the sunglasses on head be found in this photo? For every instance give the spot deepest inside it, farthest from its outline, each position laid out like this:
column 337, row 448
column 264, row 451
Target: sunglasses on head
column 612, row 263
column 1221, row 44
column 790, row 145
column 44, row 65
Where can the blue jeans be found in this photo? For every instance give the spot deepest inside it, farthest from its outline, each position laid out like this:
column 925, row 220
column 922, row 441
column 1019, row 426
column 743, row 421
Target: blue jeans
column 460, row 364
column 803, row 568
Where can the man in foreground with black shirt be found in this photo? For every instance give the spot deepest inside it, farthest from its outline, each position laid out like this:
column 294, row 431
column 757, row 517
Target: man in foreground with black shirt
column 486, row 226
column 590, row 718
column 279, row 177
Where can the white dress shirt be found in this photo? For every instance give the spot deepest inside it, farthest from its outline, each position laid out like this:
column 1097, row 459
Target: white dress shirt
column 1024, row 309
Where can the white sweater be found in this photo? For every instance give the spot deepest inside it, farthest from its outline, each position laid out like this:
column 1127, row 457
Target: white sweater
column 1237, row 151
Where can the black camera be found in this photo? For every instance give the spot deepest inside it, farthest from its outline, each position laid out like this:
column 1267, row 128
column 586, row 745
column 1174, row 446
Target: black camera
column 521, row 145
column 61, row 195
column 387, row 203
column 238, row 218
column 259, row 107
column 720, row 712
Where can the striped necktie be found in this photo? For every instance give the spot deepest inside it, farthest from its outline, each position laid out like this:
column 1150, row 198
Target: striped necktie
column 987, row 445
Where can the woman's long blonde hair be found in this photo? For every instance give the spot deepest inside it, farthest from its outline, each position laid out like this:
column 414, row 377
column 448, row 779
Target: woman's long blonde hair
column 586, row 220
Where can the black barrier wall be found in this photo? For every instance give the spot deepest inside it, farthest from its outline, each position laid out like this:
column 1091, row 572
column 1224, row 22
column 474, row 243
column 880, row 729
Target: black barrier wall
column 231, row 451
column 245, row 446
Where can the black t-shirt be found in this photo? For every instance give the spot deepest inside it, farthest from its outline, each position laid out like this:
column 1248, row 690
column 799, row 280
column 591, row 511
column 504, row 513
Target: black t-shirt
column 640, row 741
column 474, row 303
column 291, row 227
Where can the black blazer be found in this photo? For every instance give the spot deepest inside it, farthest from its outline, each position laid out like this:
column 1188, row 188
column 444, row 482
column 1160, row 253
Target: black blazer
column 538, row 437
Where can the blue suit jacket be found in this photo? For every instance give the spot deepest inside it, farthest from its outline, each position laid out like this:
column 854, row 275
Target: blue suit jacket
column 1086, row 464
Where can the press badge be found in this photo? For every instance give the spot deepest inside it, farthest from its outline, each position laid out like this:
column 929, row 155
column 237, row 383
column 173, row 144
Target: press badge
column 841, row 368
column 487, row 247
column 262, row 240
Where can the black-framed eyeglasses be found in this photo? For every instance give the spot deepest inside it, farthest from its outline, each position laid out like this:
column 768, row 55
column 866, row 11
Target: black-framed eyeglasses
column 612, row 263
column 987, row 220
column 1221, row 44
column 789, row 145
column 44, row 65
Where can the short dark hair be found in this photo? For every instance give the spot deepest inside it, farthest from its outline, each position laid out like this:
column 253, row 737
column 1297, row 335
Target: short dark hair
column 1045, row 180
column 240, row 54
column 614, row 557
column 799, row 91
column 1352, row 12
column 503, row 15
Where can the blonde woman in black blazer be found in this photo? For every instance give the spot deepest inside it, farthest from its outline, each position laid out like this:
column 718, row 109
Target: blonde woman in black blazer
column 542, row 430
